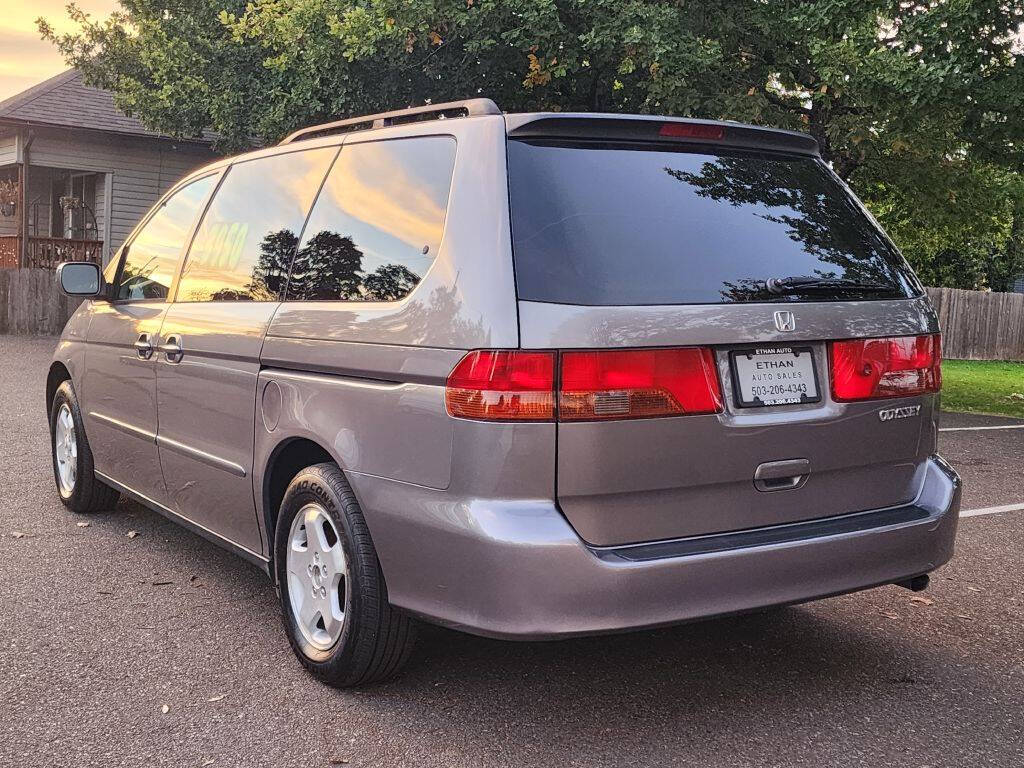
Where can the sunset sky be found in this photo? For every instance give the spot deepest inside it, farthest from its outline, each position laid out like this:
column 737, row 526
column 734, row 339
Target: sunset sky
column 25, row 59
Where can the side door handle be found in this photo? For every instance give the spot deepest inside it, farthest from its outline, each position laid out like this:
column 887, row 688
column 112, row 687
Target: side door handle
column 143, row 347
column 172, row 349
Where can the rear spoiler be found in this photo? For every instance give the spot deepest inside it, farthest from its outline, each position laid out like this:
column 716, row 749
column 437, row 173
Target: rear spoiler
column 668, row 130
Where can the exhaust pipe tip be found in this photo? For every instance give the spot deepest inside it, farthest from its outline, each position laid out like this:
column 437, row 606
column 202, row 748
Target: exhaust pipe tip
column 916, row 584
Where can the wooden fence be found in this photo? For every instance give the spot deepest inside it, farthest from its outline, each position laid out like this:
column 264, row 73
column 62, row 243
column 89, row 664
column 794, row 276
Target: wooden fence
column 978, row 325
column 31, row 302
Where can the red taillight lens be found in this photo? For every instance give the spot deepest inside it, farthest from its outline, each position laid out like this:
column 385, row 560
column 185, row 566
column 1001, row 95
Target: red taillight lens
column 864, row 369
column 514, row 385
column 503, row 385
column 637, row 383
column 692, row 131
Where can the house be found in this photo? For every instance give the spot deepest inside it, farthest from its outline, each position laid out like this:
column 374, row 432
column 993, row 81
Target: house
column 77, row 174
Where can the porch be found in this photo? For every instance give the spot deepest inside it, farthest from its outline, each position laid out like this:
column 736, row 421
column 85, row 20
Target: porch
column 52, row 218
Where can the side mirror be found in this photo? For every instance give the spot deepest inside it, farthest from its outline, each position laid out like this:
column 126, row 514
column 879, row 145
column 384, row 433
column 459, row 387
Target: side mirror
column 80, row 278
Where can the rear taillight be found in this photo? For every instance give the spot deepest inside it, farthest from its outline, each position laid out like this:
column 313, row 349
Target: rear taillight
column 503, row 385
column 516, row 385
column 865, row 369
column 637, row 383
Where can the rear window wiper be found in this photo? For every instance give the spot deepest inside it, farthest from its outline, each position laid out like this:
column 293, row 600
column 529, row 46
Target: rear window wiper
column 781, row 285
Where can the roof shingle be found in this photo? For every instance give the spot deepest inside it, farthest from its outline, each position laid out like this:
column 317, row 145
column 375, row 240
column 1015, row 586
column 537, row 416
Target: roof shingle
column 66, row 101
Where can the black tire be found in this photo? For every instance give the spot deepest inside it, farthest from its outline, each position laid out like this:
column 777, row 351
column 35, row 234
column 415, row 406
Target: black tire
column 376, row 639
column 89, row 494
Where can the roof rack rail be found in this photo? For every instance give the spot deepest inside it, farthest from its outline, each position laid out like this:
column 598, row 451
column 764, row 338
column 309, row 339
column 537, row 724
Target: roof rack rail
column 449, row 109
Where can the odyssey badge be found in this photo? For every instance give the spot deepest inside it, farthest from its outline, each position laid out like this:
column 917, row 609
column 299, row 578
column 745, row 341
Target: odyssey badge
column 904, row 412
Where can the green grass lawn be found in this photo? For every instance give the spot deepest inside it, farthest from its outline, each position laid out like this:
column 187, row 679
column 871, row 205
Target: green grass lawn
column 978, row 386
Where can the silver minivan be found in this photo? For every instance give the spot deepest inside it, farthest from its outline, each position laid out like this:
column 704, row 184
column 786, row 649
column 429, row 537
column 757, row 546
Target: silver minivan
column 524, row 375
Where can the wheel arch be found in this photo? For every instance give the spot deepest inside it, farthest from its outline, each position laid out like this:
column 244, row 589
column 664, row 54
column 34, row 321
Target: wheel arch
column 56, row 376
column 287, row 459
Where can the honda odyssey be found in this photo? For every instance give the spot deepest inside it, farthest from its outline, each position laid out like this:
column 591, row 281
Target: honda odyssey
column 523, row 375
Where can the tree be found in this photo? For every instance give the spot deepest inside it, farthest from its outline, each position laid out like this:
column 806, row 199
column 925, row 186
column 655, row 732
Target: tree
column 389, row 282
column 893, row 90
column 327, row 267
column 271, row 270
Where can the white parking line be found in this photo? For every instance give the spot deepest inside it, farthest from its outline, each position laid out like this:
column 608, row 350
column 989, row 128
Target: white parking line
column 992, row 510
column 975, row 429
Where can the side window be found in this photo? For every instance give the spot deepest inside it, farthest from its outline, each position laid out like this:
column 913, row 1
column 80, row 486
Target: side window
column 152, row 256
column 376, row 227
column 242, row 249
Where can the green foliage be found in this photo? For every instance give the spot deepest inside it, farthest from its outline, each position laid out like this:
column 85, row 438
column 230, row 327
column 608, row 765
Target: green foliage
column 917, row 104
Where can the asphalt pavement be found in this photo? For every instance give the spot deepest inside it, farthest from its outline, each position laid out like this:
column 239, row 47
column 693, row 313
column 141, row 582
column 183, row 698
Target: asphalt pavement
column 157, row 648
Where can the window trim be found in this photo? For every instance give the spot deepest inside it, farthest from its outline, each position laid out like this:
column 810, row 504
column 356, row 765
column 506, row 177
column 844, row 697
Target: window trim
column 356, row 139
column 183, row 259
column 123, row 251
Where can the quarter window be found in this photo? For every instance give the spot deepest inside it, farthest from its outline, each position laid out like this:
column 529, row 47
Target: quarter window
column 152, row 257
column 248, row 235
column 376, row 226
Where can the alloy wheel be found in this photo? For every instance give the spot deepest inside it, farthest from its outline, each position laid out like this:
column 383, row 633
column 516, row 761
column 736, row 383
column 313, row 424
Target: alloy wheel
column 317, row 576
column 65, row 449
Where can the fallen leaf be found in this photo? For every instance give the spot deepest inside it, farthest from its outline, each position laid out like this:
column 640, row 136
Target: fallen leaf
column 132, row 534
column 82, row 524
column 18, row 534
column 218, row 698
column 922, row 600
column 165, row 709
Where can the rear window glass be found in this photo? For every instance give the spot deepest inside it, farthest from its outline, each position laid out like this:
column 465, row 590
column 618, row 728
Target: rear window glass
column 609, row 224
column 376, row 227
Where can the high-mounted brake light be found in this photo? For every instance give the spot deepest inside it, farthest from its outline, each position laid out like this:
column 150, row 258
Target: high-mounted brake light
column 692, row 131
column 901, row 366
column 503, row 385
column 515, row 385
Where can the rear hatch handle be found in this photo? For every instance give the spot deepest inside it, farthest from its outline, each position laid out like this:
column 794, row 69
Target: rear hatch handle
column 784, row 475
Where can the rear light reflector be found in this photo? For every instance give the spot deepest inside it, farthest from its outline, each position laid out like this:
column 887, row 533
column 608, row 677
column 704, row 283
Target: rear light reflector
column 692, row 131
column 900, row 366
column 638, row 383
column 503, row 385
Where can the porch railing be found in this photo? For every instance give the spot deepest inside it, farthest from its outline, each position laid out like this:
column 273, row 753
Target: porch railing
column 10, row 247
column 48, row 252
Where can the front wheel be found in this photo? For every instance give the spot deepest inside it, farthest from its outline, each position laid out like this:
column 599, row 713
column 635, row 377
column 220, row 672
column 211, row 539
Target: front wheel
column 77, row 484
column 333, row 598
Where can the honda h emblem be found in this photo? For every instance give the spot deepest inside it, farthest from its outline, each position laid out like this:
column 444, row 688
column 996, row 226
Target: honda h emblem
column 785, row 321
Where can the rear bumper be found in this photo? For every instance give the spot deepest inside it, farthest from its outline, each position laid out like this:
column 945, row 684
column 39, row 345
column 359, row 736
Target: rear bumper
column 517, row 570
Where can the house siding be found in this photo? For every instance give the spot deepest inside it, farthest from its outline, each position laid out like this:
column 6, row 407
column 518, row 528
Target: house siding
column 8, row 150
column 142, row 171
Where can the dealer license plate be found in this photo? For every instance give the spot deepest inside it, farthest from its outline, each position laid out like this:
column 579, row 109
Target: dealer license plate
column 765, row 376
